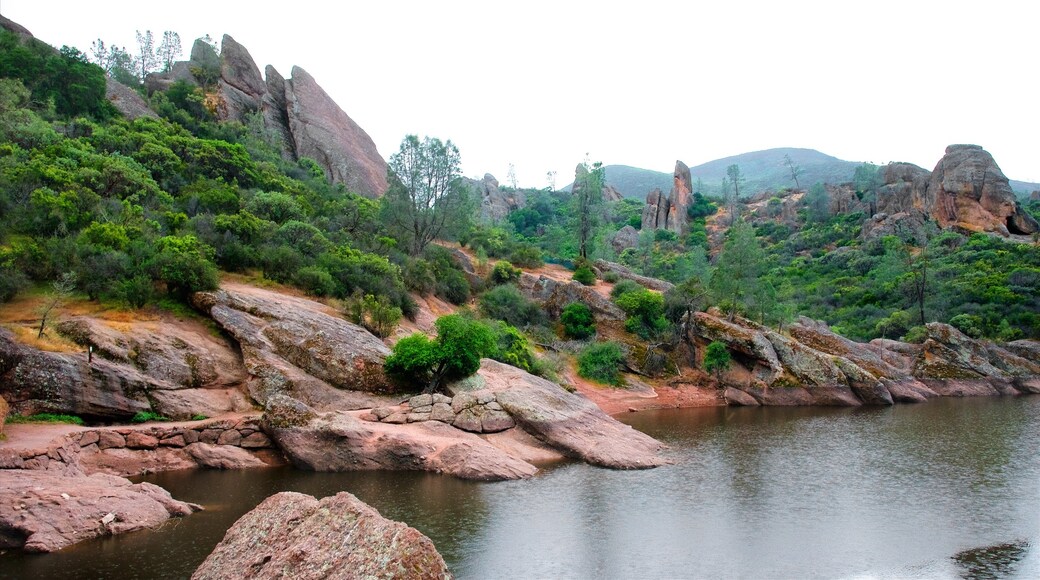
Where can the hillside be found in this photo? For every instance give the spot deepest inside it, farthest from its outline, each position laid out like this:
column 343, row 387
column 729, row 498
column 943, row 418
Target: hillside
column 762, row 170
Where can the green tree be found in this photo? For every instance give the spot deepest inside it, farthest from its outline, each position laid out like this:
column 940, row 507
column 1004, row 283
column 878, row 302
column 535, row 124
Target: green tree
column 184, row 264
column 587, row 192
column 738, row 269
column 601, row 361
column 456, row 352
column 146, row 61
column 645, row 310
column 817, row 202
column 716, row 359
column 426, row 195
column 867, row 179
column 169, row 50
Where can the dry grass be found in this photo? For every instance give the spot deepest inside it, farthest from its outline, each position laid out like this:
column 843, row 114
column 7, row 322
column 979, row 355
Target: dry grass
column 51, row 341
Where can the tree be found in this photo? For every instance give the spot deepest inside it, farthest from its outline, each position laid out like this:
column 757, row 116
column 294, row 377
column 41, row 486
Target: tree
column 915, row 282
column 716, row 359
column 738, row 268
column 145, row 61
column 169, row 50
column 818, row 203
column 735, row 179
column 184, row 264
column 511, row 176
column 425, row 194
column 795, row 170
column 456, row 352
column 550, row 176
column 577, row 320
column 588, row 195
column 867, row 179
column 63, row 288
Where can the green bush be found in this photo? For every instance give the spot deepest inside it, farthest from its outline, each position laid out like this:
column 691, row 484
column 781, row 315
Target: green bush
column 145, row 416
column 526, row 256
column 624, row 287
column 512, row 347
column 507, row 303
column 716, row 358
column 584, row 275
column 645, row 310
column 601, row 362
column 419, row 276
column 611, row 277
column 577, row 320
column 456, row 352
column 453, row 287
column 184, row 264
column 916, row 335
column 504, row 273
column 315, row 281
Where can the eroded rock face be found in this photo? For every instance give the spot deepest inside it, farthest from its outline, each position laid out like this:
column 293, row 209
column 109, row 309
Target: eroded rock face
column 298, row 347
column 669, row 213
column 904, row 186
column 126, row 100
column 912, row 226
column 241, row 87
column 295, row 535
column 44, row 511
column 342, row 441
column 495, row 204
column 968, row 189
column 626, row 274
column 323, row 132
column 626, row 237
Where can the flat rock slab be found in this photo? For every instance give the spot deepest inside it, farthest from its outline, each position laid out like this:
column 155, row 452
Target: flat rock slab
column 343, row 441
column 568, row 422
column 43, row 511
column 292, row 535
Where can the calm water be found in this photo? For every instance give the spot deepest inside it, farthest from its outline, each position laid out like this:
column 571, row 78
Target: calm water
column 943, row 490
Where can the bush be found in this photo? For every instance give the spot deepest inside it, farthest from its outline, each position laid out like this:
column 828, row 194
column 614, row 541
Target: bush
column 600, row 362
column 315, row 281
column 577, row 320
column 584, row 275
column 969, row 324
column 624, row 287
column 508, row 304
column 611, row 277
column 645, row 311
column 137, row 291
column 375, row 313
column 512, row 347
column 453, row 287
column 45, row 418
column 184, row 264
column 526, row 256
column 419, row 276
column 145, row 416
column 456, row 352
column 716, row 358
column 504, row 273
column 916, row 335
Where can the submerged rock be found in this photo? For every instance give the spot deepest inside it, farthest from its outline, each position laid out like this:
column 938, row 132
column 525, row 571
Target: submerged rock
column 292, row 535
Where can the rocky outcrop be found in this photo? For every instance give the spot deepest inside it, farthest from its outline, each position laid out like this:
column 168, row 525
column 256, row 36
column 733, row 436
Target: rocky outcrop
column 42, row 511
column 475, row 412
column 323, row 132
column 294, row 535
column 343, row 441
column 11, row 26
column 969, row 190
column 555, row 296
column 626, row 274
column 966, row 189
column 815, row 366
column 669, row 213
column 276, row 112
column 610, row 193
column 495, row 204
column 625, row 238
column 300, row 348
column 240, row 85
column 912, row 226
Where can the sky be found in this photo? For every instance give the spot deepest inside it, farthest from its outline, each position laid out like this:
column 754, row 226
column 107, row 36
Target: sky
column 545, row 85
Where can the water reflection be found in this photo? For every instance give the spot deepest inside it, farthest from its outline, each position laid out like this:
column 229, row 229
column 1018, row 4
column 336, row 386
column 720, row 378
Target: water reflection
column 946, row 489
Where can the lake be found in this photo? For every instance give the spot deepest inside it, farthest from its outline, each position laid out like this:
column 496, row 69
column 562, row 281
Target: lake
column 946, row 489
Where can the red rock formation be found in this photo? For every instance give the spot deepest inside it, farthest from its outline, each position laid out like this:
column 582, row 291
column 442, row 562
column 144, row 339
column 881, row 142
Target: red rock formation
column 669, row 213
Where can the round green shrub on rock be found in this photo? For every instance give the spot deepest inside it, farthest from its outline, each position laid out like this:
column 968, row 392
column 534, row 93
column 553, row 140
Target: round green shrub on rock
column 601, row 362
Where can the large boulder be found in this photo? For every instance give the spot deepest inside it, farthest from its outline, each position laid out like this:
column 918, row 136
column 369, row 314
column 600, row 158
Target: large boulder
column 299, row 347
column 912, row 226
column 625, row 238
column 567, row 421
column 126, row 100
column 969, row 190
column 276, row 112
column 295, row 535
column 343, row 441
column 903, row 187
column 44, row 511
column 324, row 133
column 626, row 274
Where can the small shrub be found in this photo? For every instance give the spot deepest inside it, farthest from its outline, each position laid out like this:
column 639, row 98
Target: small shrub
column 624, row 287
column 716, row 358
column 453, row 287
column 145, row 416
column 611, row 277
column 375, row 313
column 916, row 335
column 584, row 275
column 577, row 320
column 504, row 273
column 645, row 311
column 419, row 276
column 512, row 347
column 507, row 303
column 315, row 280
column 526, row 256
column 199, row 417
column 601, row 362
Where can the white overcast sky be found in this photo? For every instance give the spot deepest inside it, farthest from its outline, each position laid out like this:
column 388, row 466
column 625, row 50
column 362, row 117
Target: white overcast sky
column 642, row 83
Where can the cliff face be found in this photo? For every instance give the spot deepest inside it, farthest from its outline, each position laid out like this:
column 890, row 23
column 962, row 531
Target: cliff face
column 669, row 213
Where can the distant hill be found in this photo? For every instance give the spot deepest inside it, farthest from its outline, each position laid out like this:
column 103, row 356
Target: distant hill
column 762, row 170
